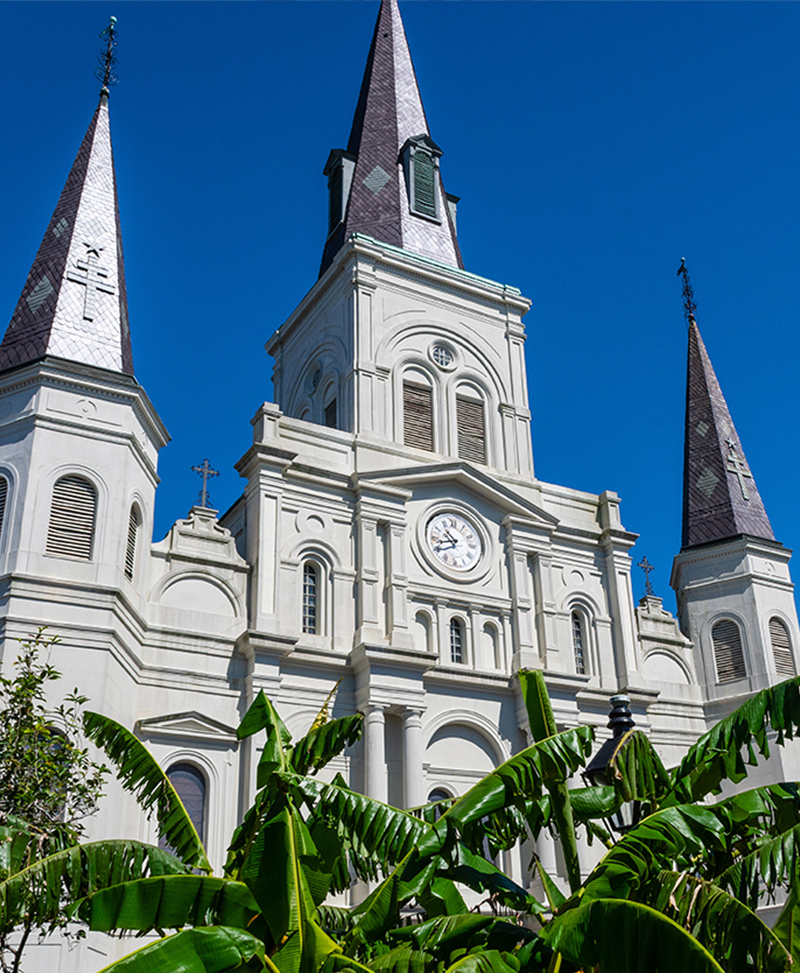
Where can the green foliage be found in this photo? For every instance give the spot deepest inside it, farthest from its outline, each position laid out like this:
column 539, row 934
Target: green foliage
column 675, row 894
column 46, row 776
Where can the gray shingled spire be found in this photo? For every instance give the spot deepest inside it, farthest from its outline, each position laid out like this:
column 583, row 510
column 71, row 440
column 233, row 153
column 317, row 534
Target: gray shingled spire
column 389, row 113
column 720, row 497
column 74, row 304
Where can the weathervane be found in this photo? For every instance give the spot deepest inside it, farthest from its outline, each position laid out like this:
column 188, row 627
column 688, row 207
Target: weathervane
column 205, row 471
column 647, row 567
column 107, row 58
column 689, row 307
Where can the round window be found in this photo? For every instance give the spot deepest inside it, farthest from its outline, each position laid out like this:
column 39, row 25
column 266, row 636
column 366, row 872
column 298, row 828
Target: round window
column 442, row 355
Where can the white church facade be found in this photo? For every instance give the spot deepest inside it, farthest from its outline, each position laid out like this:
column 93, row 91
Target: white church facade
column 392, row 535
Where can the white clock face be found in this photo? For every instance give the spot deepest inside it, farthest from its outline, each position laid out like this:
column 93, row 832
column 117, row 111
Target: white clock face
column 453, row 541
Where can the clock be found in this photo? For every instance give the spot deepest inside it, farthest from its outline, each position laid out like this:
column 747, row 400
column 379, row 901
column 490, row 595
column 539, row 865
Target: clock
column 453, row 541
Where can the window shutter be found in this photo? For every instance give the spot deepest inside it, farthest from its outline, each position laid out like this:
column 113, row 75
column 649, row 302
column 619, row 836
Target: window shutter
column 424, row 184
column 471, row 434
column 728, row 655
column 72, row 512
column 578, row 643
column 3, row 498
column 418, row 416
column 335, row 197
column 781, row 648
column 130, row 550
column 330, row 414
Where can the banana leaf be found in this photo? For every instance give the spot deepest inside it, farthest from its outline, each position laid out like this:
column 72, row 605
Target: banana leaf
column 262, row 715
column 170, row 902
column 403, row 959
column 214, row 950
column 486, row 961
column 378, row 913
column 542, row 722
column 517, row 781
column 322, row 743
column 139, row 772
column 282, row 872
column 718, row 755
column 637, row 771
column 619, row 936
column 38, row 892
column 726, row 927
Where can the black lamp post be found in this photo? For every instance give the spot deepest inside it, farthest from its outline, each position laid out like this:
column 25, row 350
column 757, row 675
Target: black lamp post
column 597, row 773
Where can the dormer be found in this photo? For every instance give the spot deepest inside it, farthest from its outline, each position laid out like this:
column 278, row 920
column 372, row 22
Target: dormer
column 339, row 169
column 420, row 159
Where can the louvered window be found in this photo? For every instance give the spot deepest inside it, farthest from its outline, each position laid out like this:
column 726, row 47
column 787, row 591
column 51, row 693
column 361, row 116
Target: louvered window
column 578, row 643
column 190, row 785
column 471, row 432
column 418, row 415
column 3, row 498
column 456, row 640
column 134, row 522
column 310, row 602
column 781, row 648
column 424, row 184
column 728, row 653
column 72, row 515
column 330, row 414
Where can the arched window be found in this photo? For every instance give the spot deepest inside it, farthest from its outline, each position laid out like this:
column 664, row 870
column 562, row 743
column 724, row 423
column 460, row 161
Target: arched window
column 422, row 622
column 579, row 646
column 3, row 499
column 417, row 413
column 134, row 523
column 470, row 423
column 781, row 648
column 456, row 640
column 436, row 795
column 331, row 418
column 728, row 654
column 310, row 598
column 491, row 641
column 72, row 515
column 190, row 785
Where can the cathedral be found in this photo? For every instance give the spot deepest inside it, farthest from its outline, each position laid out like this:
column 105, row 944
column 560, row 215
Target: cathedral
column 392, row 537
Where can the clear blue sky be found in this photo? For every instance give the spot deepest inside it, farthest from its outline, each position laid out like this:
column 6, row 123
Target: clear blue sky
column 592, row 144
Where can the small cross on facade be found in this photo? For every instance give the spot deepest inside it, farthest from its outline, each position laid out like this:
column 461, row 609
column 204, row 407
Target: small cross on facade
column 647, row 567
column 205, row 471
column 92, row 276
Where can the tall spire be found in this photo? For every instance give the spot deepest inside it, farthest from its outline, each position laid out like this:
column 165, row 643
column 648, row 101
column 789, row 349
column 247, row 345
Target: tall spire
column 389, row 116
column 720, row 497
column 74, row 303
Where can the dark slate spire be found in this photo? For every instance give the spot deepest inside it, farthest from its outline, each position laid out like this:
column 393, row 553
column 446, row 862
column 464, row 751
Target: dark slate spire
column 389, row 113
column 720, row 497
column 74, row 304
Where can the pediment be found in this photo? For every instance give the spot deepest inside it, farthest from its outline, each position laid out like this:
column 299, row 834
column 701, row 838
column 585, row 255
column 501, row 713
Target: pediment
column 470, row 478
column 192, row 725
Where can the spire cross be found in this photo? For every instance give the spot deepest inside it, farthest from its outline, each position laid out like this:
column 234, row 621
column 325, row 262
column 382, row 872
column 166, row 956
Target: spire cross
column 205, row 471
column 647, row 567
column 107, row 58
column 92, row 277
column 738, row 467
column 689, row 306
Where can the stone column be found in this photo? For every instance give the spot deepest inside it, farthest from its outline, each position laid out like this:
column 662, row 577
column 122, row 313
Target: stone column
column 413, row 782
column 376, row 778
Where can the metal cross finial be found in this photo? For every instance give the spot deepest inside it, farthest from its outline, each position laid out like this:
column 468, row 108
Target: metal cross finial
column 647, row 567
column 689, row 307
column 107, row 58
column 205, row 471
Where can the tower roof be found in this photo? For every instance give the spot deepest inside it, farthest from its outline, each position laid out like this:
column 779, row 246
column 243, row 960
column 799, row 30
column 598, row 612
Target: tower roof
column 74, row 304
column 720, row 497
column 389, row 113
